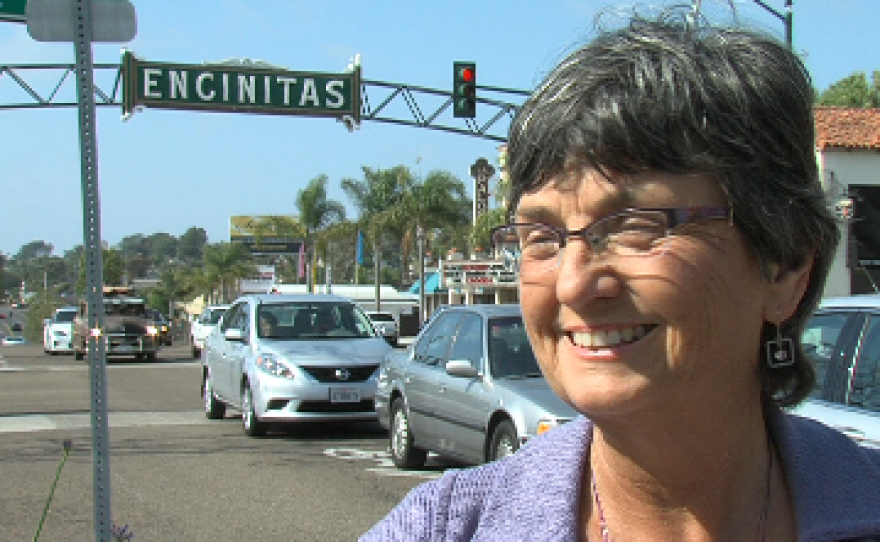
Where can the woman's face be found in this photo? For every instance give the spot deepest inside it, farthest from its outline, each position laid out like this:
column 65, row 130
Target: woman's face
column 618, row 333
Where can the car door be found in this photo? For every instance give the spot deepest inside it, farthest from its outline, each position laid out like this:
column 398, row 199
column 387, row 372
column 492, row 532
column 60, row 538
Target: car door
column 463, row 403
column 218, row 352
column 862, row 387
column 237, row 351
column 422, row 378
column 829, row 341
column 844, row 345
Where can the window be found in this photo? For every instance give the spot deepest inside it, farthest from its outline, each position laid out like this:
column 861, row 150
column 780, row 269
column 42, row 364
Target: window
column 434, row 344
column 864, row 388
column 820, row 345
column 469, row 342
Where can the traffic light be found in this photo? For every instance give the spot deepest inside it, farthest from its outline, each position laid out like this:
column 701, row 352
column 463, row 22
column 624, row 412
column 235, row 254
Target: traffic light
column 464, row 90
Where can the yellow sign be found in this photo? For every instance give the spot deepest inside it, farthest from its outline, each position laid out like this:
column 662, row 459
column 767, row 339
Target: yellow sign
column 267, row 234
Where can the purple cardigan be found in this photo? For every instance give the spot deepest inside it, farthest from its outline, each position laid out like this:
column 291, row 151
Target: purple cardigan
column 533, row 495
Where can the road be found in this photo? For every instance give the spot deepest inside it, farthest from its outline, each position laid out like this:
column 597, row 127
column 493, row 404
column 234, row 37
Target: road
column 174, row 474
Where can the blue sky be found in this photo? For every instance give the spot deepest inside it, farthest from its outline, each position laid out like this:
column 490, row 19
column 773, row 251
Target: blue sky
column 165, row 171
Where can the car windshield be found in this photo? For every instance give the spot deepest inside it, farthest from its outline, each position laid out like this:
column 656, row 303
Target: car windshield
column 510, row 353
column 215, row 315
column 309, row 320
column 65, row 316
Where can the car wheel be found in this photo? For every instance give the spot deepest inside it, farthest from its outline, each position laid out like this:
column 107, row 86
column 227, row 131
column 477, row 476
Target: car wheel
column 196, row 352
column 151, row 356
column 78, row 355
column 214, row 409
column 403, row 453
column 253, row 427
column 504, row 441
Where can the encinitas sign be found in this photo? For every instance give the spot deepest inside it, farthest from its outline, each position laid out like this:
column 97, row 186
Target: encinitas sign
column 239, row 88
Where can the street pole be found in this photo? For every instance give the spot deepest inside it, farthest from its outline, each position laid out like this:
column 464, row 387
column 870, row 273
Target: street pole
column 420, row 235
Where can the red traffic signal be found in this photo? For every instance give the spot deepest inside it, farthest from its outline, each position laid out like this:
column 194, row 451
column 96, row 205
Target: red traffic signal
column 464, row 90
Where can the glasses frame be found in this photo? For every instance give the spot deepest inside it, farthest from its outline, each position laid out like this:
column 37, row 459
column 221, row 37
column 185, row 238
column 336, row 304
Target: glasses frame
column 675, row 217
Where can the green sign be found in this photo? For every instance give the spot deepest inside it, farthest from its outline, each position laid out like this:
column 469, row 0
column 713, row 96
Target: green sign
column 239, row 89
column 12, row 10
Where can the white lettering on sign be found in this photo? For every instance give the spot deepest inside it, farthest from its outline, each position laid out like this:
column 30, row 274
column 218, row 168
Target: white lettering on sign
column 287, row 82
column 309, row 93
column 247, row 88
column 332, row 90
column 200, row 89
column 178, row 84
column 150, row 83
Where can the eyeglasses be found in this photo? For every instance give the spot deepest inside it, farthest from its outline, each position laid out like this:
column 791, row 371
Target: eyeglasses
column 535, row 248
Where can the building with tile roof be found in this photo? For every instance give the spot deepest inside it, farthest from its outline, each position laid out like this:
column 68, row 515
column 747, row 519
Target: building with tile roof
column 848, row 153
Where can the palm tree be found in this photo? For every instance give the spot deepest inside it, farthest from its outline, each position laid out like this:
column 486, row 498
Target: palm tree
column 316, row 213
column 225, row 263
column 374, row 196
column 438, row 202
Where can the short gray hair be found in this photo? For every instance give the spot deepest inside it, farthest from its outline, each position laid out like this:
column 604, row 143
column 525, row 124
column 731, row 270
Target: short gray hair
column 663, row 94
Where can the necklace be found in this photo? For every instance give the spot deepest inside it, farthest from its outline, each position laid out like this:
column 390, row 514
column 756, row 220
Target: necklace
column 603, row 524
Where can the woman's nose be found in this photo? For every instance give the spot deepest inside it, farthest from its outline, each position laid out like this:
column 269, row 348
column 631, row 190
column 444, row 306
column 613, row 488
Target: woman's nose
column 581, row 276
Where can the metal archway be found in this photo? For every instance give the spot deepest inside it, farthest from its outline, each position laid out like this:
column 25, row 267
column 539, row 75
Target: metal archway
column 423, row 105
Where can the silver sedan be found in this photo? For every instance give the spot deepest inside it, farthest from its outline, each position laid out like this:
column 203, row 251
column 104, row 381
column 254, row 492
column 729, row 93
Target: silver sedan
column 292, row 358
column 469, row 387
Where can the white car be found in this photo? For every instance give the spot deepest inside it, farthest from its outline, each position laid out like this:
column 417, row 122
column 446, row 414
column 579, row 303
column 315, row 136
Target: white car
column 58, row 331
column 203, row 326
column 385, row 324
column 281, row 358
column 843, row 341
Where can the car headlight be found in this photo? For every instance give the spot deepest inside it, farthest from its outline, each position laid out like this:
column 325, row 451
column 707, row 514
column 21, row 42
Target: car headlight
column 151, row 330
column 273, row 365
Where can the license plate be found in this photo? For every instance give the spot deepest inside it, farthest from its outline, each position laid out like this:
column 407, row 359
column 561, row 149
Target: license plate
column 344, row 395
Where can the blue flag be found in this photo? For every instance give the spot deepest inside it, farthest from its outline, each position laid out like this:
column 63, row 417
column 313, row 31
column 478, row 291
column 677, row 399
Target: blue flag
column 360, row 248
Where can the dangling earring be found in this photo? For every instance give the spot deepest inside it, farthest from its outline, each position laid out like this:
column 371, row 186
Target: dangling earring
column 780, row 351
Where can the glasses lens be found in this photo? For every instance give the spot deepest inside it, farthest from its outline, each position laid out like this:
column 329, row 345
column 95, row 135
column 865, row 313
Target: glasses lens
column 528, row 249
column 630, row 233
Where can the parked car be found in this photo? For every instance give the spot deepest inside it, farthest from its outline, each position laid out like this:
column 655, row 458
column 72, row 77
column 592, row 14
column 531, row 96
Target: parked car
column 292, row 358
column 13, row 340
column 386, row 325
column 469, row 387
column 58, row 331
column 843, row 340
column 163, row 326
column 203, row 326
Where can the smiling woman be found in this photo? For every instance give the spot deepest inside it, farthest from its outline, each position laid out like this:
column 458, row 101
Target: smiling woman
column 671, row 239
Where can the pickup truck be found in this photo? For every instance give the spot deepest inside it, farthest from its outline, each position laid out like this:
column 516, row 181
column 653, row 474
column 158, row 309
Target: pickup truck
column 128, row 330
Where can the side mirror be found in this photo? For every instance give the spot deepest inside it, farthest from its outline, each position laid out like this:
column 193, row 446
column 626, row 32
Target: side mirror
column 234, row 334
column 462, row 368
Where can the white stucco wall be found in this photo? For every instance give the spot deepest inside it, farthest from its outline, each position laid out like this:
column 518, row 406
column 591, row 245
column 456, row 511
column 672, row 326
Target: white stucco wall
column 849, row 168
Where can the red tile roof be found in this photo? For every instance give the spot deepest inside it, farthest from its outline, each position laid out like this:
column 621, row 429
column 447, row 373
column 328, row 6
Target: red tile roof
column 846, row 127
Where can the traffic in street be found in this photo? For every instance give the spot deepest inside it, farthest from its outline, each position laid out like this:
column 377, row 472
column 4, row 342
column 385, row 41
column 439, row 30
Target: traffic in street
column 175, row 474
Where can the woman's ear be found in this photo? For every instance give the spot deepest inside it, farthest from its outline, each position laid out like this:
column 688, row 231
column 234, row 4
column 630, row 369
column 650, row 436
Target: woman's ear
column 787, row 290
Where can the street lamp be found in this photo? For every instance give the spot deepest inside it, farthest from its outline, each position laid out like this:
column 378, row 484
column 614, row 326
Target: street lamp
column 786, row 17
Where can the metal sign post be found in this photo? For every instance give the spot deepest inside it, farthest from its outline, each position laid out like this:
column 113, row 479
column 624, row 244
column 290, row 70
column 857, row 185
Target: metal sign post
column 56, row 20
